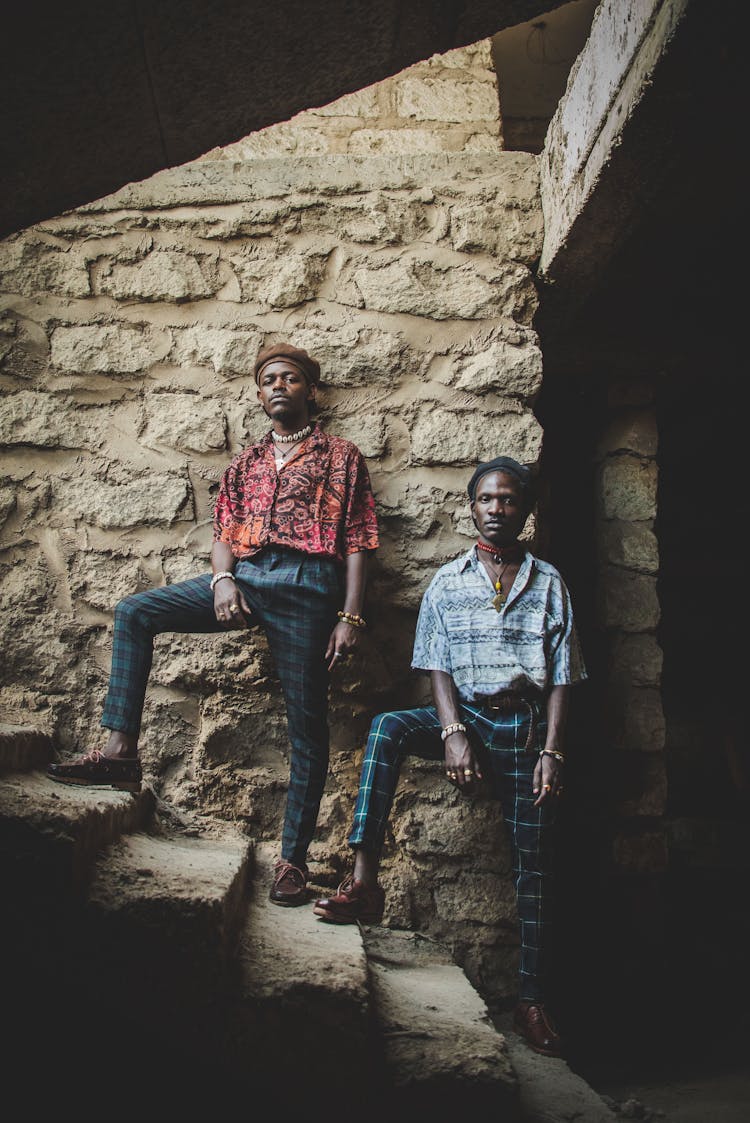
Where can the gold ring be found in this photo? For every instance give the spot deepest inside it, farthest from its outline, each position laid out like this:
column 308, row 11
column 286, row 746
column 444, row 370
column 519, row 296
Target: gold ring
column 468, row 771
column 234, row 609
column 548, row 787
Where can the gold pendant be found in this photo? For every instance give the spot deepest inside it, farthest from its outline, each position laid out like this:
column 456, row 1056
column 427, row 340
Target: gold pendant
column 499, row 598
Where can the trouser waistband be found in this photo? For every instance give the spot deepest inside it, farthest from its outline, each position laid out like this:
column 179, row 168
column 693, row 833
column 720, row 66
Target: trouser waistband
column 506, row 701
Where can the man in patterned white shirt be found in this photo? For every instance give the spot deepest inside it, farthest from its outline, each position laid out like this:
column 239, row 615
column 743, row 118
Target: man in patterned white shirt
column 496, row 633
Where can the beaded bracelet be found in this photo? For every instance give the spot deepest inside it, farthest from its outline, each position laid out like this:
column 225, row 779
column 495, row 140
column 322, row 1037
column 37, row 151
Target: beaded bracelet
column 456, row 727
column 353, row 619
column 554, row 753
column 218, row 576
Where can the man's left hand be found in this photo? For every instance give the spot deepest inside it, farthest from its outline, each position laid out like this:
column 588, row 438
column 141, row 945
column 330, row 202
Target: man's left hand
column 344, row 638
column 547, row 778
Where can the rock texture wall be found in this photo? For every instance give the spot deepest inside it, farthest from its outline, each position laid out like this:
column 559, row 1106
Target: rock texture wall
column 629, row 616
column 128, row 328
column 448, row 103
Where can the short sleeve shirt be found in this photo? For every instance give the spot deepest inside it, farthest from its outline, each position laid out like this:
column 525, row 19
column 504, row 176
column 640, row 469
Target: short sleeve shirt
column 530, row 643
column 320, row 502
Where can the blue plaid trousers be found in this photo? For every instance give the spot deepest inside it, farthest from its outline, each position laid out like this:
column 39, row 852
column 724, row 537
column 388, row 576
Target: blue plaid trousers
column 508, row 768
column 294, row 597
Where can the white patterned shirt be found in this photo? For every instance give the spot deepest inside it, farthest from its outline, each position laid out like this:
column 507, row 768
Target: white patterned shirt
column 530, row 643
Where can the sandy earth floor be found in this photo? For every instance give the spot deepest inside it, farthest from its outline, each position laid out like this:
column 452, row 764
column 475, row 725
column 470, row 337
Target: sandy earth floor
column 721, row 1095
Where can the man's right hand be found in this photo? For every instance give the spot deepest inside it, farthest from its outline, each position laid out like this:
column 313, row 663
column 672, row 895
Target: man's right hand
column 231, row 608
column 461, row 765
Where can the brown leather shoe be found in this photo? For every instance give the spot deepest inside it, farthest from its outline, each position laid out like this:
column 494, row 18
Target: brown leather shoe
column 289, row 884
column 96, row 770
column 352, row 902
column 534, row 1024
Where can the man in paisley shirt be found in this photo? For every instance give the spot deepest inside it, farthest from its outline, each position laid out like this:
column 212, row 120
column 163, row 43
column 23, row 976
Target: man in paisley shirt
column 495, row 632
column 294, row 525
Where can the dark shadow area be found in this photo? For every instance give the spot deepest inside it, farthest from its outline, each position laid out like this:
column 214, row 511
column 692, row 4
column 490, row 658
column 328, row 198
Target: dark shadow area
column 653, row 970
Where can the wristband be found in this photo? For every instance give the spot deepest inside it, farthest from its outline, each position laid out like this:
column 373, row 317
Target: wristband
column 219, row 576
column 456, row 727
column 353, row 619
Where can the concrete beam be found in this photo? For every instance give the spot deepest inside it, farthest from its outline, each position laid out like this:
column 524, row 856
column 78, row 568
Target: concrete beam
column 617, row 136
column 97, row 95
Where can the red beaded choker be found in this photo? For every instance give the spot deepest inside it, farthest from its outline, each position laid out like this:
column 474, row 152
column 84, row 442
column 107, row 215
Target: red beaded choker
column 504, row 554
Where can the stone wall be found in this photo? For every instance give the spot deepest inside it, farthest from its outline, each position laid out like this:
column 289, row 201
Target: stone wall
column 628, row 610
column 128, row 328
column 448, row 103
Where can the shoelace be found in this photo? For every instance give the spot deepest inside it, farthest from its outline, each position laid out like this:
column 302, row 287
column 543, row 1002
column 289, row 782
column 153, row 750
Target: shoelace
column 283, row 869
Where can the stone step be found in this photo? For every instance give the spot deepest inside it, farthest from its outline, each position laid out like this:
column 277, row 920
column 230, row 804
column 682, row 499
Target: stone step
column 51, row 834
column 301, row 1024
column 23, row 747
column 163, row 914
column 440, row 1051
column 550, row 1092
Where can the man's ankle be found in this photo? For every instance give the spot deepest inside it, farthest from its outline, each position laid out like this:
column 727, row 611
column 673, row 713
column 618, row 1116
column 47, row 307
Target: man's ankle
column 118, row 748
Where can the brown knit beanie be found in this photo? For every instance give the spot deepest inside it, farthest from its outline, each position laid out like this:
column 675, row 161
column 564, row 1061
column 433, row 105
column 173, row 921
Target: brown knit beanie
column 309, row 366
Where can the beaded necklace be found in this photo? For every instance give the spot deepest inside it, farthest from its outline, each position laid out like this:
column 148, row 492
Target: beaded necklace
column 290, row 438
column 513, row 553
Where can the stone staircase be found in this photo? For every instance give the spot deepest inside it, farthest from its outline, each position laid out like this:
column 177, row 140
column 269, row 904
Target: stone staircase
column 144, row 957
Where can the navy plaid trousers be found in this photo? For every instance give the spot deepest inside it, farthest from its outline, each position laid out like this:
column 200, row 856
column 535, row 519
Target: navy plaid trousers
column 294, row 597
column 508, row 768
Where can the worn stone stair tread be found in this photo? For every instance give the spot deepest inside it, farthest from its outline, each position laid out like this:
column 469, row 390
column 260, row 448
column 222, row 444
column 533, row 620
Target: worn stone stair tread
column 145, row 872
column 53, row 832
column 285, row 948
column 439, row 1044
column 302, row 1011
column 549, row 1090
column 23, row 747
column 161, row 924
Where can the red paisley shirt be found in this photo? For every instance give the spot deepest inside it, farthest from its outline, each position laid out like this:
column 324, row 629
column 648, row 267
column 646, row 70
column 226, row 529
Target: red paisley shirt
column 321, row 502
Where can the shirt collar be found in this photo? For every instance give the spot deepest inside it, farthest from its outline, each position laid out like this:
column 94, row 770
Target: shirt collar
column 471, row 560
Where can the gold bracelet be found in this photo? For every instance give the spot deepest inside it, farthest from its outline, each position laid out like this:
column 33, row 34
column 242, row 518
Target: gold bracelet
column 353, row 619
column 554, row 753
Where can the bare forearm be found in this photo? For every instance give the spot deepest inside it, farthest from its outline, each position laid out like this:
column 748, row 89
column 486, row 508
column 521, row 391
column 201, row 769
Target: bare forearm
column 445, row 697
column 222, row 558
column 557, row 714
column 355, row 582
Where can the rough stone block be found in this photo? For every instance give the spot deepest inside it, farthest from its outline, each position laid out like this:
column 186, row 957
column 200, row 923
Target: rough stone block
column 151, row 499
column 46, row 421
column 641, row 784
column 627, row 488
column 432, row 99
column 501, row 367
column 228, row 352
column 636, row 719
column 630, row 431
column 627, row 600
column 279, row 280
column 122, row 348
column 101, row 579
column 32, row 266
column 162, row 275
column 456, row 437
column 632, row 545
column 637, row 658
column 504, row 227
column 642, row 851
column 186, row 422
column 438, row 287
